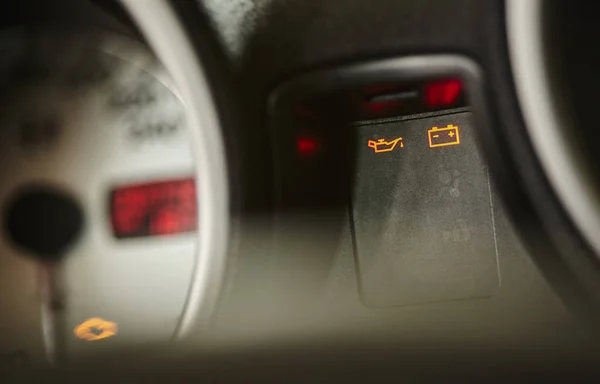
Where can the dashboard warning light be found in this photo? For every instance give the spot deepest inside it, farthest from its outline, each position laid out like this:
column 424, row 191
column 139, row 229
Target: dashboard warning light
column 443, row 93
column 307, row 146
column 442, row 137
column 381, row 145
column 95, row 329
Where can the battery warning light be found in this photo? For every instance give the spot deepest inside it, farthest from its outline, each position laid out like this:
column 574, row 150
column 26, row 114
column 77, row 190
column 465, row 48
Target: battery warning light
column 443, row 137
column 381, row 145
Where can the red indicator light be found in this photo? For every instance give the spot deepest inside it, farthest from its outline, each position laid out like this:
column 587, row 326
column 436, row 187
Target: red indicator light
column 442, row 93
column 379, row 106
column 307, row 146
column 154, row 209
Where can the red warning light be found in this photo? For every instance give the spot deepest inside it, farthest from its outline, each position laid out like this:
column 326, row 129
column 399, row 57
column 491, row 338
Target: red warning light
column 307, row 146
column 443, row 93
column 380, row 106
column 154, row 209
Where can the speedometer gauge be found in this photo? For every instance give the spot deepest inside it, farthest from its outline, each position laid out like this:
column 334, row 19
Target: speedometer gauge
column 95, row 118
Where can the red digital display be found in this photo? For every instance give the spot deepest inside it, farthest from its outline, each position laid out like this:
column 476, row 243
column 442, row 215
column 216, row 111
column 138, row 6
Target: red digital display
column 154, row 209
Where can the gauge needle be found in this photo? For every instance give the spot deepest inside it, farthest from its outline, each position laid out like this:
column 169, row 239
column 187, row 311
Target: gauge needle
column 46, row 222
column 52, row 309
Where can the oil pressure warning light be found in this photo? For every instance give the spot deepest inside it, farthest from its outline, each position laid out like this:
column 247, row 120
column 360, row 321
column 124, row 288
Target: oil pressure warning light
column 381, row 145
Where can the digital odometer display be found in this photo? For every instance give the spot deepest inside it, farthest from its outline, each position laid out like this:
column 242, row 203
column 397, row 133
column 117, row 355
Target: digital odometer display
column 154, row 209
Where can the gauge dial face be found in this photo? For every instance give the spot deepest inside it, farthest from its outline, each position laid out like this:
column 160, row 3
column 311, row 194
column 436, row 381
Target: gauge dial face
column 96, row 117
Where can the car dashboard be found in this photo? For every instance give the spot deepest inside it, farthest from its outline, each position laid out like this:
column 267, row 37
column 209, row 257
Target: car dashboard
column 365, row 212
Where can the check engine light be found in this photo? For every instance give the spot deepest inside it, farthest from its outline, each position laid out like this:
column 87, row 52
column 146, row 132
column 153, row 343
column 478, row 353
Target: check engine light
column 154, row 209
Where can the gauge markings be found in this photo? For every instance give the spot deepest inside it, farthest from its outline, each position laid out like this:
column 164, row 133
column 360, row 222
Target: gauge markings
column 136, row 98
column 149, row 131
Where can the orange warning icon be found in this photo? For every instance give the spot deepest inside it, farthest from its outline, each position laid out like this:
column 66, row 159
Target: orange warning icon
column 95, row 329
column 384, row 146
column 442, row 137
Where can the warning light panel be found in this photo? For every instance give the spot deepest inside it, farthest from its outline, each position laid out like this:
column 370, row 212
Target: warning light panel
column 443, row 137
column 154, row 209
column 381, row 145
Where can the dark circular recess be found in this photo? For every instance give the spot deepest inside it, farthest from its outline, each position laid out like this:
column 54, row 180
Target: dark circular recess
column 43, row 220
